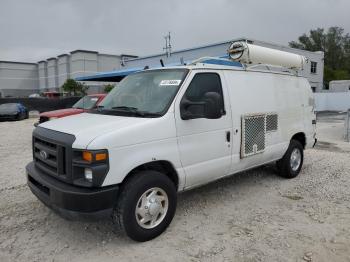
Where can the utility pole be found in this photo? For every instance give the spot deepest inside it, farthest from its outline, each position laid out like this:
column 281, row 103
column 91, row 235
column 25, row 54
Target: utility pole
column 167, row 47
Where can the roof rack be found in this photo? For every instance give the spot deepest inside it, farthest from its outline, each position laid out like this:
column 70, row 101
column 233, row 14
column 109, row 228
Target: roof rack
column 216, row 61
column 229, row 62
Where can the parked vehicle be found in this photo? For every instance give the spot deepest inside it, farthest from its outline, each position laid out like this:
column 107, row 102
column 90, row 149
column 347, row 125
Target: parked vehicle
column 35, row 96
column 83, row 105
column 13, row 111
column 167, row 130
column 52, row 94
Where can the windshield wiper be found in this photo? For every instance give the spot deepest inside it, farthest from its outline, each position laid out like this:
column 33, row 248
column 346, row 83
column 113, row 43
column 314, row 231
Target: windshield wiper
column 126, row 110
column 129, row 108
column 97, row 108
column 135, row 111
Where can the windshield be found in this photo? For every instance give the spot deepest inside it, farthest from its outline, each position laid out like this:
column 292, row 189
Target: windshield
column 87, row 102
column 12, row 107
column 147, row 93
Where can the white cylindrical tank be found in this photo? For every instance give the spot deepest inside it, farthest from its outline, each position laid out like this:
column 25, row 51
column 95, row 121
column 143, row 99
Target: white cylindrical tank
column 252, row 54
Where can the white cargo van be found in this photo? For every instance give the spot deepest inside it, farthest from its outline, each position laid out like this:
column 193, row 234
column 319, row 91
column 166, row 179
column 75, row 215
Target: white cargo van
column 166, row 130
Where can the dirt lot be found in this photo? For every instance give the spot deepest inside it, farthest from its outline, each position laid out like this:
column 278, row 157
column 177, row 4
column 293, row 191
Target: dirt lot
column 253, row 216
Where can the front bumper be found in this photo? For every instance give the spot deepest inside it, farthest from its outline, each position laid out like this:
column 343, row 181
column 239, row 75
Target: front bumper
column 8, row 117
column 68, row 200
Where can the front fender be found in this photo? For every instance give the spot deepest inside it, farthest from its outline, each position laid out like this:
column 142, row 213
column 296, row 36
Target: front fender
column 124, row 159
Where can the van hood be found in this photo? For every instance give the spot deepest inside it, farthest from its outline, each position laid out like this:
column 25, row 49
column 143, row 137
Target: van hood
column 86, row 126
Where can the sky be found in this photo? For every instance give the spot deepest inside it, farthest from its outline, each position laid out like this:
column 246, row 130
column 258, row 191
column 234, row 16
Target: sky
column 33, row 30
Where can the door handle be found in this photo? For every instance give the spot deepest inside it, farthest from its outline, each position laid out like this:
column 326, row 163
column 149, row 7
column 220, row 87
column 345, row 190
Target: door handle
column 228, row 136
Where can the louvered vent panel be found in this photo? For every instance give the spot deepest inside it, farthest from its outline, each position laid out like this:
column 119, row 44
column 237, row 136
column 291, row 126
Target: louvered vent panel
column 271, row 122
column 253, row 135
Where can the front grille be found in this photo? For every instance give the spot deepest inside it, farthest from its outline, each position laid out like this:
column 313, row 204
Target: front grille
column 49, row 157
column 52, row 153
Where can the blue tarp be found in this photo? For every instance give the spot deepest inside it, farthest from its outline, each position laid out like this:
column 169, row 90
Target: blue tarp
column 222, row 62
column 114, row 76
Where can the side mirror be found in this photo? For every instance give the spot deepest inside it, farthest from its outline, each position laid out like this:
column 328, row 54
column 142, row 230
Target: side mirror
column 209, row 108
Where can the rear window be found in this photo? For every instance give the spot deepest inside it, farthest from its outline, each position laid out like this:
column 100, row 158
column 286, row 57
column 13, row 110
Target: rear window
column 8, row 107
column 87, row 102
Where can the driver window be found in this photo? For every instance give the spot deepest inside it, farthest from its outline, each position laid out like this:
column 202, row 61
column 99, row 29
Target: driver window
column 201, row 84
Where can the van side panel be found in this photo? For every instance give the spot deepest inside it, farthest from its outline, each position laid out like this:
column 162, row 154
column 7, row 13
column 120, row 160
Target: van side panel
column 262, row 93
column 309, row 112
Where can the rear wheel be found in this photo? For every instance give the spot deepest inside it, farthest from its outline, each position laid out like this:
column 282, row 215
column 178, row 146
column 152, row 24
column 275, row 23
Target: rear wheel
column 146, row 205
column 291, row 163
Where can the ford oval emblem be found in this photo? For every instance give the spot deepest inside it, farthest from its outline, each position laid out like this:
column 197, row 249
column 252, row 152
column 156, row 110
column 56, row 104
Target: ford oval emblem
column 43, row 154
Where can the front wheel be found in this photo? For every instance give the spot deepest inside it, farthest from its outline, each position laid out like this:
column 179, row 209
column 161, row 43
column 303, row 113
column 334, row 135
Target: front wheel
column 290, row 165
column 146, row 205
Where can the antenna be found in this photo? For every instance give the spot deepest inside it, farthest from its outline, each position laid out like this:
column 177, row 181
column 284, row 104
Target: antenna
column 161, row 62
column 167, row 47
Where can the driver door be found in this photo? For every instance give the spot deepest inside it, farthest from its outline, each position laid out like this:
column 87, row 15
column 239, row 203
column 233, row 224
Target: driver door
column 204, row 144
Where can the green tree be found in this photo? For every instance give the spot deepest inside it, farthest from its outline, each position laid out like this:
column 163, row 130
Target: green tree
column 108, row 88
column 74, row 88
column 336, row 47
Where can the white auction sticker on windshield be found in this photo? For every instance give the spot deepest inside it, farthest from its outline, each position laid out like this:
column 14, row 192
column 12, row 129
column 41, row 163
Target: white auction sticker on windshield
column 170, row 82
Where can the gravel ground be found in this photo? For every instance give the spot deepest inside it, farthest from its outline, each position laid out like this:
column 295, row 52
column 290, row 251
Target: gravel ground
column 252, row 216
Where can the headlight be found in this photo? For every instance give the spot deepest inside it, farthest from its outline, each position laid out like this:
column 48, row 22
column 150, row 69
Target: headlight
column 88, row 174
column 90, row 167
column 53, row 117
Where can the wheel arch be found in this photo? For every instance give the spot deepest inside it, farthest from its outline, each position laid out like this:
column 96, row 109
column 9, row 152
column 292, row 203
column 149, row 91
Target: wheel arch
column 300, row 137
column 163, row 166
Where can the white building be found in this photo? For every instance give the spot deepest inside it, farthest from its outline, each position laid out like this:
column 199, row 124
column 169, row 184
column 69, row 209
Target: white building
column 17, row 78
column 339, row 86
column 23, row 79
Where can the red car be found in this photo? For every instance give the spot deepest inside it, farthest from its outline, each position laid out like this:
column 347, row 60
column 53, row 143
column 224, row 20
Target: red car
column 83, row 105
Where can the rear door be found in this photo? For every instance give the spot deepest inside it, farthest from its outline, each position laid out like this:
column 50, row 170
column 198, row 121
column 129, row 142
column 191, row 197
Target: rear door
column 204, row 144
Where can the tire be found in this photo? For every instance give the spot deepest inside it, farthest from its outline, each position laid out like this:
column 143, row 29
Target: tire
column 18, row 117
column 288, row 167
column 144, row 184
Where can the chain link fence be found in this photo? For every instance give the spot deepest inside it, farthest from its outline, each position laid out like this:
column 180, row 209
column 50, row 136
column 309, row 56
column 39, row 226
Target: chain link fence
column 43, row 104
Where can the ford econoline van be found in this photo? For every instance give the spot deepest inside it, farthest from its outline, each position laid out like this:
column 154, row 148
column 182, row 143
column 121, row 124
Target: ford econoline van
column 166, row 130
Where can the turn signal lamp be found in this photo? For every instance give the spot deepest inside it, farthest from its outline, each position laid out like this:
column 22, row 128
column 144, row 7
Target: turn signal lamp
column 100, row 156
column 90, row 157
column 87, row 156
